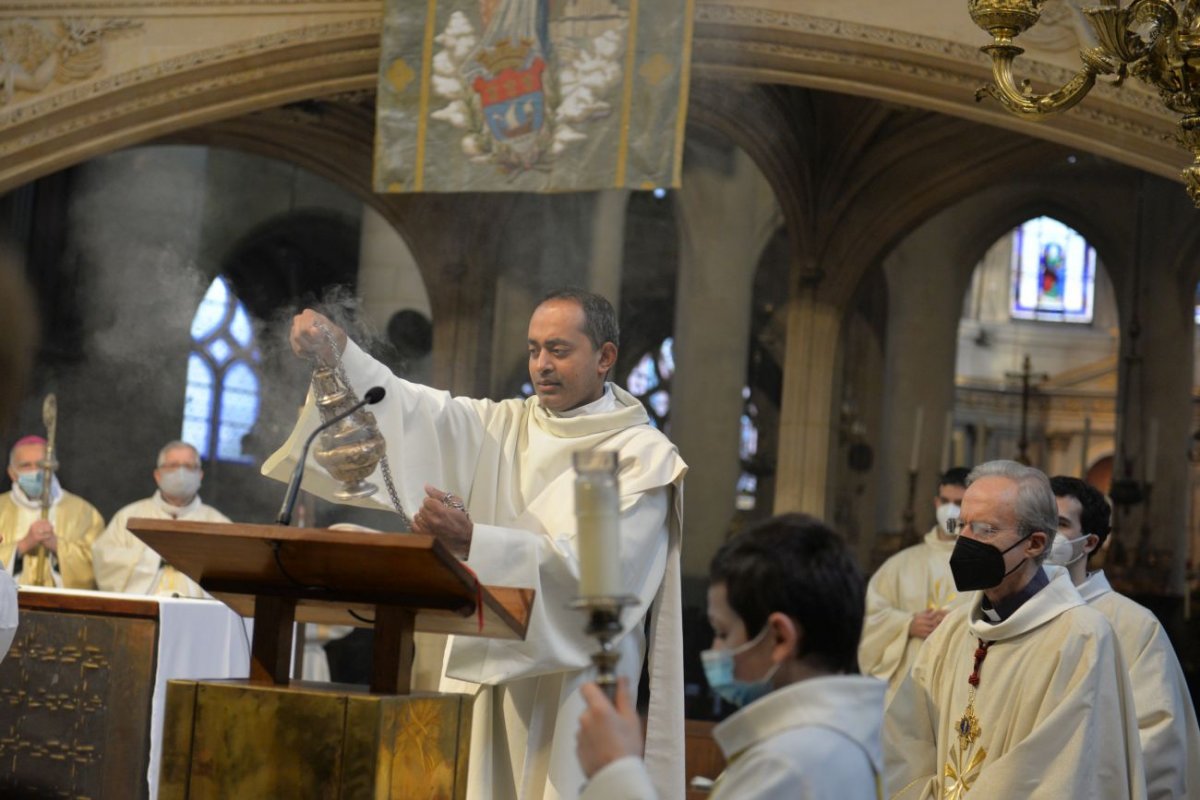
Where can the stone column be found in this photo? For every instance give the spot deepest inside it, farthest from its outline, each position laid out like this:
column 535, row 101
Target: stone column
column 389, row 281
column 925, row 283
column 727, row 214
column 806, row 421
column 608, row 244
column 1155, row 375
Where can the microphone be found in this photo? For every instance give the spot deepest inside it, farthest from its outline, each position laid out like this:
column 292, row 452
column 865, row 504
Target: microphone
column 373, row 396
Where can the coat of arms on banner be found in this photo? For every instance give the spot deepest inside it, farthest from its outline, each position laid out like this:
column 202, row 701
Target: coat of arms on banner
column 532, row 95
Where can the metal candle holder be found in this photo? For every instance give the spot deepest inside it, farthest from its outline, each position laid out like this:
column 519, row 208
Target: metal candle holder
column 604, row 623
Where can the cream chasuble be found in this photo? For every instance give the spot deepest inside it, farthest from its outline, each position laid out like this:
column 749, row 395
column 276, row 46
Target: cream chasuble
column 124, row 563
column 1052, row 717
column 76, row 524
column 511, row 462
column 1166, row 718
column 915, row 579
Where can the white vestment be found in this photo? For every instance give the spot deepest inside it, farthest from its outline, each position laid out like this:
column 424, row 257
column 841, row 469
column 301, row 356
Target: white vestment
column 1054, row 707
column 124, row 563
column 511, row 462
column 1166, row 718
column 818, row 739
column 915, row 579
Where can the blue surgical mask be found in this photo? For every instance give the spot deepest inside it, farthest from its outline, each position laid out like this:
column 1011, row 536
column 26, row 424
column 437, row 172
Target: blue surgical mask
column 31, row 484
column 718, row 671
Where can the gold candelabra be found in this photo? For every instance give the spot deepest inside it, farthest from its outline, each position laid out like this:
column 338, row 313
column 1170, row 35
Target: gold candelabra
column 1155, row 41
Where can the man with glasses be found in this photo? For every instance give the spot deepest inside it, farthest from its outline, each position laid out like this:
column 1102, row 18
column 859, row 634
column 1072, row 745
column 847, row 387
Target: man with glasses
column 123, row 562
column 65, row 536
column 1021, row 691
column 912, row 592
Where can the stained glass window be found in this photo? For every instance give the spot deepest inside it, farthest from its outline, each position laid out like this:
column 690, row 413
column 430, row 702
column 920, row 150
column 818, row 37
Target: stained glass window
column 650, row 382
column 747, row 485
column 1053, row 273
column 222, row 397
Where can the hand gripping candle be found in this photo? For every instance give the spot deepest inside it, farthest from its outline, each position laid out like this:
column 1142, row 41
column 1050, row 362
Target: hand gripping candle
column 597, row 515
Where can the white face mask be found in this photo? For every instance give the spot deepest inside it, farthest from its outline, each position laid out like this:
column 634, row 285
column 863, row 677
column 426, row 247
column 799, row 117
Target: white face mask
column 945, row 513
column 180, row 483
column 1062, row 551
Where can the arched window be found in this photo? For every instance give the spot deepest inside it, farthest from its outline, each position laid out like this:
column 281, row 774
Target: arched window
column 1053, row 273
column 221, row 401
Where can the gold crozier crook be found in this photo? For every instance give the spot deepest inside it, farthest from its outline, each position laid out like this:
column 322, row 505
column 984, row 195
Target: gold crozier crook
column 48, row 466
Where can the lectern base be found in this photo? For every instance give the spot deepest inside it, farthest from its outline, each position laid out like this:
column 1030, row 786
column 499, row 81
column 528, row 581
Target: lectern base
column 235, row 739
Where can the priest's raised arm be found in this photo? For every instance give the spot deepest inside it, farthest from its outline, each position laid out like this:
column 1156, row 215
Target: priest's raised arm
column 510, row 462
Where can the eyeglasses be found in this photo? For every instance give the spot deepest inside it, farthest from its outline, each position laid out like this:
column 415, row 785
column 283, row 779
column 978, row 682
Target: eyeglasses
column 956, row 526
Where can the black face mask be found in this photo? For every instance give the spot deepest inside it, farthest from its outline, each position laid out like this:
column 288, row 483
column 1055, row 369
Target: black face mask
column 977, row 565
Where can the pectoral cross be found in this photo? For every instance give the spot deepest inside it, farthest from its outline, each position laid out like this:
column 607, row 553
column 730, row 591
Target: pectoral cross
column 1027, row 377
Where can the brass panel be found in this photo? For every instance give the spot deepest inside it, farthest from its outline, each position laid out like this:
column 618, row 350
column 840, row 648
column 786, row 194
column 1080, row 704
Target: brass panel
column 316, row 741
column 75, row 694
column 179, row 719
column 260, row 741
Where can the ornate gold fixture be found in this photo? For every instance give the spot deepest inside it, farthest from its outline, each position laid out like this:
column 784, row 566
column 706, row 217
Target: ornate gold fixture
column 1155, row 41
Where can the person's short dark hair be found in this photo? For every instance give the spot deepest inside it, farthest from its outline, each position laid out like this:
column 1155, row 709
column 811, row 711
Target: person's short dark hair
column 599, row 317
column 797, row 565
column 1095, row 515
column 955, row 476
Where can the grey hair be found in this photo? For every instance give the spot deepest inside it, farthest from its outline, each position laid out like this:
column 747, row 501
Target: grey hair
column 599, row 318
column 169, row 446
column 1036, row 508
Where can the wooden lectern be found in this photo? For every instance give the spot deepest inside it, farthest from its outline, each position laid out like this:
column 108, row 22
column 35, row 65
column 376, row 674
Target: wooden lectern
column 271, row 736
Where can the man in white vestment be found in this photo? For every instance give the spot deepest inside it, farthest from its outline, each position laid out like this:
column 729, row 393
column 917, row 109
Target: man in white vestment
column 65, row 536
column 1167, row 726
column 785, row 601
column 1022, row 691
column 510, row 463
column 123, row 562
column 911, row 593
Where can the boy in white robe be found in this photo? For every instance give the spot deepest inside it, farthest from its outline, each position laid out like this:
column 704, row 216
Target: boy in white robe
column 123, row 562
column 911, row 593
column 510, row 462
column 1167, row 728
column 1022, row 692
column 785, row 601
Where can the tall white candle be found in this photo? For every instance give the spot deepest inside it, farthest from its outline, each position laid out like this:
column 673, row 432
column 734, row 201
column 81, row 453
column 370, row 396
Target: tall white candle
column 915, row 458
column 597, row 515
column 1152, row 451
column 947, row 441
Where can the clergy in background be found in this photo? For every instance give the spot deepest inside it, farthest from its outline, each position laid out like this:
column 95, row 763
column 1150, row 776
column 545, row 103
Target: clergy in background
column 1166, row 718
column 785, row 600
column 1022, row 691
column 123, row 562
column 508, row 464
column 67, row 534
column 911, row 593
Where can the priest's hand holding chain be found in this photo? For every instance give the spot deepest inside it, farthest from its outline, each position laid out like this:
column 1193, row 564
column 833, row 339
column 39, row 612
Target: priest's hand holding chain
column 309, row 340
column 445, row 516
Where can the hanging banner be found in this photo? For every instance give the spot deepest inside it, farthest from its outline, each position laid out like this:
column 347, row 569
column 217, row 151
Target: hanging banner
column 531, row 95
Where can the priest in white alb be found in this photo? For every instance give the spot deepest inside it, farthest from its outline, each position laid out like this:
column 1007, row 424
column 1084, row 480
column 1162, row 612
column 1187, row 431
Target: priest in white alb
column 509, row 465
column 1167, row 725
column 911, row 593
column 123, row 562
column 1022, row 691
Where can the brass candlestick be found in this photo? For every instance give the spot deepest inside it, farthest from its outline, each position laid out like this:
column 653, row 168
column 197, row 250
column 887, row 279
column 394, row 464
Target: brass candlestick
column 604, row 623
